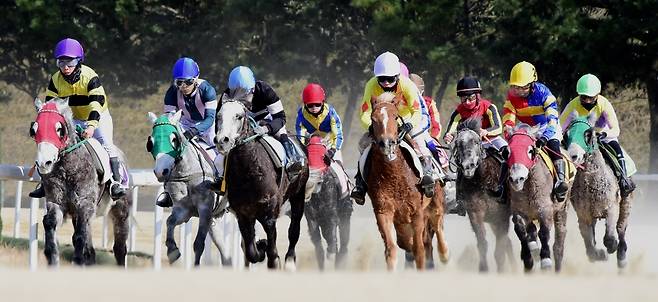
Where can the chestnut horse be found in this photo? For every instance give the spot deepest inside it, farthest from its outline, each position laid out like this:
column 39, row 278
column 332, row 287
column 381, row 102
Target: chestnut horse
column 393, row 187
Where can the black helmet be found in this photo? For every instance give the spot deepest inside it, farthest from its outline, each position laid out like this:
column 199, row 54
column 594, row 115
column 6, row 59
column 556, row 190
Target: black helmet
column 467, row 86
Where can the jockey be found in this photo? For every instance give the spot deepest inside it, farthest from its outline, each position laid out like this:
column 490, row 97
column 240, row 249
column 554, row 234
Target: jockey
column 198, row 101
column 473, row 105
column 267, row 110
column 590, row 102
column 531, row 102
column 387, row 79
column 319, row 117
column 86, row 97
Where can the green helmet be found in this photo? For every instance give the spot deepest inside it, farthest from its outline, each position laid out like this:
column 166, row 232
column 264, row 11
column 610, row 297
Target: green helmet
column 588, row 85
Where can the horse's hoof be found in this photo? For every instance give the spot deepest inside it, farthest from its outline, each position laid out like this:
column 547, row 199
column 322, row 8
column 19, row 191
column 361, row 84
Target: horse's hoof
column 444, row 257
column 290, row 265
column 621, row 263
column 611, row 244
column 331, row 256
column 533, row 246
column 274, row 263
column 173, row 256
column 601, row 255
column 546, row 263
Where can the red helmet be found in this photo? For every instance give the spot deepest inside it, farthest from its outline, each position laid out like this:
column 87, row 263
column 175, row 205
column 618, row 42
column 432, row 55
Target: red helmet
column 313, row 94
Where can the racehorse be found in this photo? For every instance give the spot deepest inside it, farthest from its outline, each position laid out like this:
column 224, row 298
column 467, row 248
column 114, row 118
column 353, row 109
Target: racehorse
column 596, row 194
column 70, row 179
column 186, row 175
column 393, row 187
column 478, row 172
column 327, row 210
column 531, row 198
column 255, row 187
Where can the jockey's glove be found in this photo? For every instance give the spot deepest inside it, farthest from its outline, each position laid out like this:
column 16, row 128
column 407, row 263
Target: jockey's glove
column 191, row 133
column 601, row 135
column 329, row 155
column 405, row 127
column 262, row 130
column 541, row 142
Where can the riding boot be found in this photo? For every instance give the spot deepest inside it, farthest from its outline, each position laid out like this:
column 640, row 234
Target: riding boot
column 561, row 186
column 216, row 185
column 164, row 200
column 116, row 191
column 626, row 184
column 499, row 193
column 360, row 188
column 427, row 182
column 295, row 160
column 38, row 192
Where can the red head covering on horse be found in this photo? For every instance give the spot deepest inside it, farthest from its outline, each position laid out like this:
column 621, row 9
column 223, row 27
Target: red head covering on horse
column 50, row 127
column 316, row 150
column 520, row 145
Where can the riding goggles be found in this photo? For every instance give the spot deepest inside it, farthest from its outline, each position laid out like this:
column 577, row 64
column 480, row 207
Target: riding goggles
column 180, row 82
column 387, row 79
column 61, row 63
column 314, row 105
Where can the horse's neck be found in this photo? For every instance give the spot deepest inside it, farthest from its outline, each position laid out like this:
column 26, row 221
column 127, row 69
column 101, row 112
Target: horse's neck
column 394, row 166
column 191, row 162
column 595, row 162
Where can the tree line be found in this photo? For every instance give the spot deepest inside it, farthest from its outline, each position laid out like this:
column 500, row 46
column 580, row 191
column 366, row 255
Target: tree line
column 133, row 43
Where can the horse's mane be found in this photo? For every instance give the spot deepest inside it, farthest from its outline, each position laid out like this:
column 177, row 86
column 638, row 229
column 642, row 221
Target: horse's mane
column 473, row 123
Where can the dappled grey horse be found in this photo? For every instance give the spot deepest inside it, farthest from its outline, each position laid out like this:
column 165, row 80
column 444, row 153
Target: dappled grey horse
column 255, row 187
column 596, row 194
column 478, row 173
column 186, row 175
column 71, row 182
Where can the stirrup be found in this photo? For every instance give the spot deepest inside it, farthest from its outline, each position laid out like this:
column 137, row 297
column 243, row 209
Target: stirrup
column 359, row 196
column 164, row 200
column 560, row 194
column 116, row 191
column 428, row 186
column 39, row 192
column 626, row 187
column 216, row 186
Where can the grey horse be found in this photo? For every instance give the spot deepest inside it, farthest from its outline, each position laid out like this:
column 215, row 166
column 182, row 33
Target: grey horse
column 596, row 195
column 531, row 199
column 478, row 173
column 186, row 176
column 71, row 183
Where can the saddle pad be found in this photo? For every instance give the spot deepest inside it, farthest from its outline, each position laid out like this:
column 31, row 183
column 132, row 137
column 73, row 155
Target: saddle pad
column 570, row 167
column 274, row 149
column 100, row 159
column 342, row 178
column 405, row 147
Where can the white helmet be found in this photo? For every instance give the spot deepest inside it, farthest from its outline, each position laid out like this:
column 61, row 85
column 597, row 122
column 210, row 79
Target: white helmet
column 387, row 64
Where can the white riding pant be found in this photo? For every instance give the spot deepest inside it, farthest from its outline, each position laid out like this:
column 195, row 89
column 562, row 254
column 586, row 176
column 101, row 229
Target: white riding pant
column 103, row 133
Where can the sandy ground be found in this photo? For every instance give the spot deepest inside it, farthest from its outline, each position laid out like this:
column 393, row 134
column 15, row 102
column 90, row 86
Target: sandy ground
column 365, row 276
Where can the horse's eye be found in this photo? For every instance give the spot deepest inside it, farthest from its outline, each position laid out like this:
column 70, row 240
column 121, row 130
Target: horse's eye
column 33, row 129
column 59, row 129
column 149, row 144
column 531, row 152
column 238, row 117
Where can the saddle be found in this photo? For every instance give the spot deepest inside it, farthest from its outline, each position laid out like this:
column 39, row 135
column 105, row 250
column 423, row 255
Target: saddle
column 570, row 168
column 100, row 159
column 610, row 157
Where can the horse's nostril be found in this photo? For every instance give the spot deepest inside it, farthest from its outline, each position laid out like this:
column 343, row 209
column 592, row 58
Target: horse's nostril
column 574, row 157
column 225, row 139
column 48, row 163
column 165, row 172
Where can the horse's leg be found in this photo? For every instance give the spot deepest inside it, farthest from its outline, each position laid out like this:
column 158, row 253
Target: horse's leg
column 610, row 240
column 51, row 220
column 328, row 227
column 418, row 225
column 344, row 225
column 533, row 243
column 436, row 219
column 622, row 223
column 202, row 232
column 545, row 224
column 560, row 234
column 269, row 225
column 296, row 213
column 120, row 214
column 252, row 253
column 217, row 241
column 178, row 215
column 82, row 236
column 503, row 243
column 477, row 223
column 384, row 224
column 314, row 232
column 521, row 233
column 427, row 242
column 587, row 232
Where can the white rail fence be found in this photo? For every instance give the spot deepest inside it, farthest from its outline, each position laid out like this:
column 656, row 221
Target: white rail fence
column 140, row 178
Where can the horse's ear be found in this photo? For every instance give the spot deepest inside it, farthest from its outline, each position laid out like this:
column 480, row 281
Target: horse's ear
column 397, row 99
column 38, row 104
column 152, row 117
column 176, row 117
column 534, row 132
column 373, row 101
column 61, row 102
column 508, row 131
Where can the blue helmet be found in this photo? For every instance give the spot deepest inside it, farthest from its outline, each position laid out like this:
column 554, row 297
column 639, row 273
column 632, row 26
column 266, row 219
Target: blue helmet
column 241, row 77
column 185, row 68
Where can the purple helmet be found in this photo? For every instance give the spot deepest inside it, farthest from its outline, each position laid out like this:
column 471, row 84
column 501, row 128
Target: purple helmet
column 69, row 48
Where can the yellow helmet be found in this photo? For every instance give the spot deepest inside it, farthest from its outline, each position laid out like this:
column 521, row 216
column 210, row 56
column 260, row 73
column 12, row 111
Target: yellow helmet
column 523, row 73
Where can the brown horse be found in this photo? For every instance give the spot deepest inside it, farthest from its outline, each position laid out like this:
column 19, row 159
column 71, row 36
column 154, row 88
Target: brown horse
column 393, row 187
